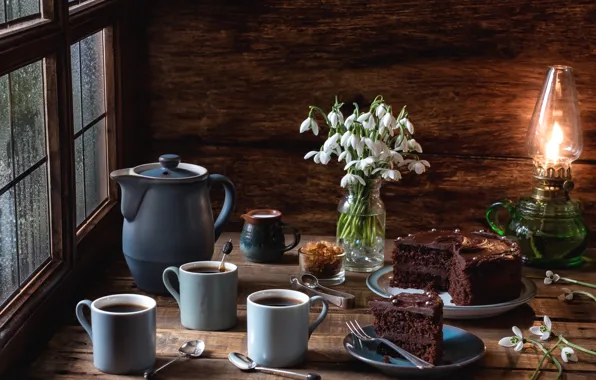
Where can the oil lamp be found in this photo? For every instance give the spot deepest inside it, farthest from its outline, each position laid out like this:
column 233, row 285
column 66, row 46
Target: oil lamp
column 547, row 224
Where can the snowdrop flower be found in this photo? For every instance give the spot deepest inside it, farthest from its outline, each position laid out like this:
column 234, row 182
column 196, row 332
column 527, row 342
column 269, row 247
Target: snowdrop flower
column 376, row 147
column 413, row 145
column 566, row 296
column 551, row 277
column 406, row 123
column 309, row 123
column 366, row 120
column 349, row 121
column 366, row 163
column 331, row 142
column 381, row 111
column 388, row 174
column 516, row 341
column 418, row 166
column 388, row 121
column 543, row 330
column 345, row 155
column 319, row 157
column 396, row 157
column 335, row 117
column 345, row 138
column 360, row 148
column 568, row 354
column 354, row 141
column 351, row 179
column 401, row 144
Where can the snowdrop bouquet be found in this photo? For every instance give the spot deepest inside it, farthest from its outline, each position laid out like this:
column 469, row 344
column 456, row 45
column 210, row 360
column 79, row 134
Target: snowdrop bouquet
column 374, row 145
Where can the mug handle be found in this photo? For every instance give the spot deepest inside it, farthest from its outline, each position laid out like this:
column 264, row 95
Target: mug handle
column 229, row 201
column 81, row 317
column 168, row 284
column 492, row 215
column 321, row 316
column 296, row 233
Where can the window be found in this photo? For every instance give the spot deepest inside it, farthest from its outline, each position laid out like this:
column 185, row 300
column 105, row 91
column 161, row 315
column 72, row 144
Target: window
column 59, row 75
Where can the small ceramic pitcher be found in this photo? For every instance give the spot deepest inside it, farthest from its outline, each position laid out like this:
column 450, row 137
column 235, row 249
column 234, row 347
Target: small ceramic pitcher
column 262, row 238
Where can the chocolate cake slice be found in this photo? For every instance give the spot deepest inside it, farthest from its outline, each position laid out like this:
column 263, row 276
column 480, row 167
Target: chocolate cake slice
column 412, row 321
column 476, row 268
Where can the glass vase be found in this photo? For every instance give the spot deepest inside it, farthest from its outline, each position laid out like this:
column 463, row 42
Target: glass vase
column 361, row 227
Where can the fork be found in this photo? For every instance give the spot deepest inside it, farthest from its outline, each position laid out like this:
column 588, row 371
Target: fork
column 357, row 331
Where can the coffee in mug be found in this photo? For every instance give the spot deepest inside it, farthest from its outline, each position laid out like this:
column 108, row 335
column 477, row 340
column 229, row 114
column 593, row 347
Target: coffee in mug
column 122, row 330
column 278, row 327
column 207, row 297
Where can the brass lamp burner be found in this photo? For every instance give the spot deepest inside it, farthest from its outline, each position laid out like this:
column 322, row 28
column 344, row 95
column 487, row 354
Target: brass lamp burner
column 553, row 181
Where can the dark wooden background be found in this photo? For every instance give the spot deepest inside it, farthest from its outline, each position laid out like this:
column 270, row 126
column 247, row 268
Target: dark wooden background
column 228, row 83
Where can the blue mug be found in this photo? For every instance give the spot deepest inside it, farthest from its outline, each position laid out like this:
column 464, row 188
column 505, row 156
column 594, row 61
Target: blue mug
column 122, row 330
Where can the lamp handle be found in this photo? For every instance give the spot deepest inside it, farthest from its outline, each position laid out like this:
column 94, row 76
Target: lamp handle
column 492, row 215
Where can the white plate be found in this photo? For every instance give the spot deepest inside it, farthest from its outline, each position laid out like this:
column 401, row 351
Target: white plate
column 379, row 282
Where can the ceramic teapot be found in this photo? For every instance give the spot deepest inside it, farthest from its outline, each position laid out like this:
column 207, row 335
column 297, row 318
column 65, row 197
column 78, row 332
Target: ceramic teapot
column 167, row 217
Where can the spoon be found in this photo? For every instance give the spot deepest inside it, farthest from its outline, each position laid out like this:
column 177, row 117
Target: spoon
column 226, row 249
column 190, row 349
column 246, row 364
column 310, row 281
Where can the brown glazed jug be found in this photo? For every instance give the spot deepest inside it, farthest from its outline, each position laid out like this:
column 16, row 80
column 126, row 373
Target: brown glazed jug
column 262, row 238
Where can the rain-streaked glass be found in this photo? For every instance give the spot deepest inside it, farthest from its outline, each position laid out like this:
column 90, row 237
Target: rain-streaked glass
column 16, row 9
column 2, row 18
column 79, row 180
column 75, row 65
column 28, row 126
column 33, row 222
column 92, row 72
column 96, row 186
column 5, row 135
column 9, row 280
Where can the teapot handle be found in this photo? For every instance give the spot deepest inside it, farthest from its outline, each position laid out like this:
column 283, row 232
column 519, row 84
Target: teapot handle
column 492, row 215
column 229, row 201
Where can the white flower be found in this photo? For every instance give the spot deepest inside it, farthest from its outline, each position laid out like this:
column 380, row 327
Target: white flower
column 388, row 174
column 542, row 330
column 305, row 126
column 360, row 148
column 350, row 179
column 366, row 163
column 406, row 123
column 388, row 121
column 345, row 138
column 516, row 341
column 418, row 166
column 401, row 144
column 367, row 120
column 319, row 157
column 413, row 145
column 551, row 277
column 381, row 111
column 354, row 141
column 566, row 296
column 349, row 121
column 396, row 157
column 345, row 154
column 331, row 142
column 335, row 117
column 350, row 164
column 568, row 354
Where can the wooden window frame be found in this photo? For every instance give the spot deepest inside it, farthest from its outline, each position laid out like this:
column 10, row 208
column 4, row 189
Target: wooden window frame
column 75, row 252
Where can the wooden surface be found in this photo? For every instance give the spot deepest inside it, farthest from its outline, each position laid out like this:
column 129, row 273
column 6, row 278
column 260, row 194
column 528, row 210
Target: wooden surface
column 227, row 85
column 68, row 354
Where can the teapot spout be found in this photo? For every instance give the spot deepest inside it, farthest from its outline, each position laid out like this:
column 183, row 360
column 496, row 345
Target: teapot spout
column 133, row 190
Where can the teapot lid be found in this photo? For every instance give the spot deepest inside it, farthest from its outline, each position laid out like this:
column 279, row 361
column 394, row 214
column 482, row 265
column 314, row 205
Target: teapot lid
column 170, row 167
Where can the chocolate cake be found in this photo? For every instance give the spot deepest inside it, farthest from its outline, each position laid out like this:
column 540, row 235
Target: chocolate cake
column 412, row 321
column 476, row 268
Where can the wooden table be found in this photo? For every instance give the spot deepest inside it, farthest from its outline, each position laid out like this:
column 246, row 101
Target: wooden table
column 69, row 353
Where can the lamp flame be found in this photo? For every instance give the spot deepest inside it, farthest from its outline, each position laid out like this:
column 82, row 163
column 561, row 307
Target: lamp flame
column 552, row 146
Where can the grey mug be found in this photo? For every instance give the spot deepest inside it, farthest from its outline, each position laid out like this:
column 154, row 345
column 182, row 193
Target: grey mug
column 278, row 335
column 123, row 342
column 207, row 301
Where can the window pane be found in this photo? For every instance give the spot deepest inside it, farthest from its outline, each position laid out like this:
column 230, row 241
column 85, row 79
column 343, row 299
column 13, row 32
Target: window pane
column 92, row 86
column 80, row 179
column 96, row 187
column 33, row 222
column 21, row 8
column 5, row 138
column 27, row 102
column 75, row 64
column 2, row 20
column 9, row 281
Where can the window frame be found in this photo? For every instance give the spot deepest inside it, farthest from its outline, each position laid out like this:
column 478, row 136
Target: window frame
column 74, row 250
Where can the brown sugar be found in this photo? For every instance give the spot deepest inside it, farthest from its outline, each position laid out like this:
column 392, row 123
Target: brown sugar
column 323, row 259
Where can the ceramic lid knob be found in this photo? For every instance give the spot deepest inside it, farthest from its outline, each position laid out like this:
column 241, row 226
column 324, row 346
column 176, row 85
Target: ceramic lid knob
column 169, row 161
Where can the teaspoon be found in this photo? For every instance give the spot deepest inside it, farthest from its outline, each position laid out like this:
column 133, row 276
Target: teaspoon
column 190, row 349
column 246, row 364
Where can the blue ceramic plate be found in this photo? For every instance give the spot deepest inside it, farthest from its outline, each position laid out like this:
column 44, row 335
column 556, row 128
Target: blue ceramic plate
column 460, row 349
column 379, row 282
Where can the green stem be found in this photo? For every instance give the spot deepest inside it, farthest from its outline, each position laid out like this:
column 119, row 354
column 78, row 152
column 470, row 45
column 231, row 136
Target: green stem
column 547, row 353
column 572, row 281
column 580, row 348
column 593, row 297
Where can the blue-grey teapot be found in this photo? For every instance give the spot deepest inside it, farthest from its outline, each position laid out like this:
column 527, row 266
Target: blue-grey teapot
column 167, row 217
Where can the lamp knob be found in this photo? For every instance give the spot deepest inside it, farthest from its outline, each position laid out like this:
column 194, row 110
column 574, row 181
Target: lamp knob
column 568, row 185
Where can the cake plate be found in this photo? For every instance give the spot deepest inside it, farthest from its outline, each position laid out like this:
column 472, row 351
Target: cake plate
column 379, row 282
column 460, row 349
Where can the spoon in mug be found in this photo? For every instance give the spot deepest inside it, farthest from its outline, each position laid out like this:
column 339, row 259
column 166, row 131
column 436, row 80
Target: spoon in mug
column 226, row 250
column 246, row 364
column 190, row 349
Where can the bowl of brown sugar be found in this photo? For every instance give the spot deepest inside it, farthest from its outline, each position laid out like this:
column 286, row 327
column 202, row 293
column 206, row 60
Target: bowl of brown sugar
column 324, row 260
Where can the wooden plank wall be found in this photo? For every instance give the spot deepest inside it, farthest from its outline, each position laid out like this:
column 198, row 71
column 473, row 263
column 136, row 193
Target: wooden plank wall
column 228, row 83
